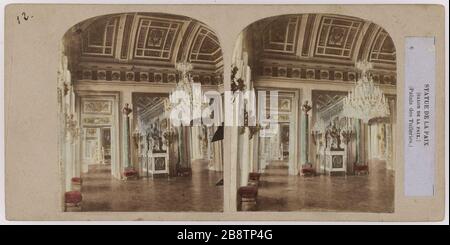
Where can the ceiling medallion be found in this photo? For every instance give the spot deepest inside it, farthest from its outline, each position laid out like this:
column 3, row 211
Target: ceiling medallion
column 366, row 100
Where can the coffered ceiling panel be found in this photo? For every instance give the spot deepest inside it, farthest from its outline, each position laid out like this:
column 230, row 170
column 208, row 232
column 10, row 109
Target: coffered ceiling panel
column 156, row 38
column 143, row 47
column 321, row 47
column 205, row 47
column 281, row 35
column 337, row 37
column 100, row 38
column 332, row 37
column 383, row 49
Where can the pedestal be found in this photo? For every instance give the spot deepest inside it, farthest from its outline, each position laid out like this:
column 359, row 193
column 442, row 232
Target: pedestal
column 335, row 161
column 158, row 164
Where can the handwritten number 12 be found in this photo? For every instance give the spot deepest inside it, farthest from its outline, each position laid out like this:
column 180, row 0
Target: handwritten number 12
column 23, row 16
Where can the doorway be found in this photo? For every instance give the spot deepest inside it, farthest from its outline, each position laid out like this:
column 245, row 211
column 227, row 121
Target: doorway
column 277, row 145
column 99, row 131
column 105, row 135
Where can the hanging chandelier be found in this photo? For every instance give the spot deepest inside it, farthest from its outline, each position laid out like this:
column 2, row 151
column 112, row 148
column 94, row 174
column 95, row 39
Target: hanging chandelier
column 366, row 100
column 185, row 82
column 188, row 98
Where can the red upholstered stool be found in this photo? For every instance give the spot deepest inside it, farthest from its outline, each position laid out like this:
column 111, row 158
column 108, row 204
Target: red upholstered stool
column 130, row 173
column 73, row 200
column 248, row 193
column 360, row 169
column 307, row 170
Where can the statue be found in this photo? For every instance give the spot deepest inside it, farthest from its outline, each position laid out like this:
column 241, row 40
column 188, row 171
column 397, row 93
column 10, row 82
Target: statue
column 333, row 137
column 157, row 141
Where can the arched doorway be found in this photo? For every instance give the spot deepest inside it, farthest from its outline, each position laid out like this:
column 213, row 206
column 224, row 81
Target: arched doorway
column 117, row 72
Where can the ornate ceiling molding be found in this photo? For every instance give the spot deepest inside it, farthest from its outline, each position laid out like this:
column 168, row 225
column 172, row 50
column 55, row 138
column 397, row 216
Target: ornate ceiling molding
column 143, row 47
column 281, row 35
column 101, row 37
column 323, row 71
column 205, row 48
column 321, row 47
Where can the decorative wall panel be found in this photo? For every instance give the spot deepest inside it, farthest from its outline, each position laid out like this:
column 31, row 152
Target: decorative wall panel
column 97, row 120
column 324, row 99
column 97, row 107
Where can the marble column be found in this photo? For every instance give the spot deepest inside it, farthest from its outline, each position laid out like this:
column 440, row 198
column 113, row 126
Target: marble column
column 126, row 136
column 184, row 147
column 305, row 134
column 243, row 158
column 358, row 141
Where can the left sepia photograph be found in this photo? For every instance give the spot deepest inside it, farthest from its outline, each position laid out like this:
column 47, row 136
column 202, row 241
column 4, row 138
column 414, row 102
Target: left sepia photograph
column 121, row 145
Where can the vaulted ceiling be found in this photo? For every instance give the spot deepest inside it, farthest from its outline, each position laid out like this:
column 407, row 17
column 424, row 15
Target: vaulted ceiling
column 321, row 47
column 143, row 47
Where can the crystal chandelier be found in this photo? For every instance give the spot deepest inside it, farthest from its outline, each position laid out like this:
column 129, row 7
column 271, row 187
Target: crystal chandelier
column 366, row 100
column 183, row 85
column 188, row 98
column 185, row 82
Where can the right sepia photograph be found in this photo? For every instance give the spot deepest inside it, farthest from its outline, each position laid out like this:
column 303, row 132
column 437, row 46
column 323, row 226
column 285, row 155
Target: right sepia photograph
column 327, row 86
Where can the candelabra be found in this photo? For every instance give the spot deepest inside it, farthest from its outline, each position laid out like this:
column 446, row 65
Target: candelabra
column 169, row 136
column 347, row 131
column 237, row 84
column 72, row 129
column 347, row 135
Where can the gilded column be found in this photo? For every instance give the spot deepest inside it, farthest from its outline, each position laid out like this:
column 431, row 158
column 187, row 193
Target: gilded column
column 305, row 134
column 126, row 136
